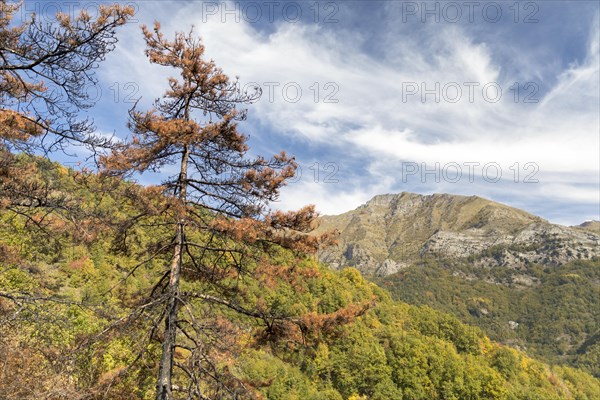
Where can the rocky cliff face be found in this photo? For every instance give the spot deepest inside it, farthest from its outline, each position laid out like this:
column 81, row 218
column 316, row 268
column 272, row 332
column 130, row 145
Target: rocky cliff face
column 392, row 231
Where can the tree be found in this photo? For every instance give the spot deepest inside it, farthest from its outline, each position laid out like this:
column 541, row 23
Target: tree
column 46, row 69
column 218, row 210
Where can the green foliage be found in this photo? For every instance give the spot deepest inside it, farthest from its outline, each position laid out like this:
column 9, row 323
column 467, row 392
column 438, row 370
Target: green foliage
column 506, row 361
column 390, row 350
column 557, row 318
column 588, row 357
column 444, row 326
column 358, row 362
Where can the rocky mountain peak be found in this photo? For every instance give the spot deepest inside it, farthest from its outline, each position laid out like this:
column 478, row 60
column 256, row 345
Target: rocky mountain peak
column 392, row 231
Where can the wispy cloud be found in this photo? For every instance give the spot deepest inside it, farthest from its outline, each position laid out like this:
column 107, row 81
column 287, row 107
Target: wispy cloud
column 377, row 116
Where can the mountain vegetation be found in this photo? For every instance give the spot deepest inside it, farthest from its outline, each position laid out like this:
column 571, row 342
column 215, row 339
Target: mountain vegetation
column 527, row 283
column 391, row 232
column 75, row 318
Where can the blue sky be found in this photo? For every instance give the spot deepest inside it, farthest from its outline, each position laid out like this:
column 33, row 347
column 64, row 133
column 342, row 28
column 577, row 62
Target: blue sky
column 496, row 99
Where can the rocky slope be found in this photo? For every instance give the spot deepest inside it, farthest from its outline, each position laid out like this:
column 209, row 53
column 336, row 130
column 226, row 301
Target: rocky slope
column 393, row 231
column 593, row 226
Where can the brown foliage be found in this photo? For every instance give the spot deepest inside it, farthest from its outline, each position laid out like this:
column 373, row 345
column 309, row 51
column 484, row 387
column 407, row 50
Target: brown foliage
column 9, row 255
column 45, row 71
column 221, row 197
column 317, row 324
column 271, row 275
column 25, row 374
column 308, row 329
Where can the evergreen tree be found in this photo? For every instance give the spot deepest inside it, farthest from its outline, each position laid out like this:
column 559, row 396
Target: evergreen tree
column 217, row 207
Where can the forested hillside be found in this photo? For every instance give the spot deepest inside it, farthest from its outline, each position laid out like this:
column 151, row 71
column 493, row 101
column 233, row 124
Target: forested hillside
column 527, row 283
column 72, row 326
column 556, row 319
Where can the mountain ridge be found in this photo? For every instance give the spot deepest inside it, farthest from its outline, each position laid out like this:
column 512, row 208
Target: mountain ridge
column 391, row 231
column 592, row 225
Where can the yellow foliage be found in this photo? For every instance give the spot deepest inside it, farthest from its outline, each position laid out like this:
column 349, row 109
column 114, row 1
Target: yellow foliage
column 357, row 397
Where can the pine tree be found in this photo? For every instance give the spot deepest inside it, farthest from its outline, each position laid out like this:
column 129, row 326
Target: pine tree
column 217, row 208
column 46, row 71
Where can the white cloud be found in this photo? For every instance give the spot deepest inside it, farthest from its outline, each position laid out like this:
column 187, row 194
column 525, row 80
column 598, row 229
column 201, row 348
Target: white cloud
column 560, row 133
column 329, row 200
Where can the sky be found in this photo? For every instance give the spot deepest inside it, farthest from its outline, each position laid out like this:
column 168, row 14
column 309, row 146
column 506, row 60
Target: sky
column 496, row 99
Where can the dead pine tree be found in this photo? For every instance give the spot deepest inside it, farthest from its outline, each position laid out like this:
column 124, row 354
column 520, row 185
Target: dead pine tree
column 218, row 205
column 46, row 69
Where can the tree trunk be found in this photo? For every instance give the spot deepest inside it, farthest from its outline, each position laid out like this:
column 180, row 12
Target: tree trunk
column 164, row 384
column 163, row 389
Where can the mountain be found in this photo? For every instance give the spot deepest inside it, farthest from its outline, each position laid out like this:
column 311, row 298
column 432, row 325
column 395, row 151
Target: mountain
column 526, row 282
column 392, row 231
column 592, row 226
